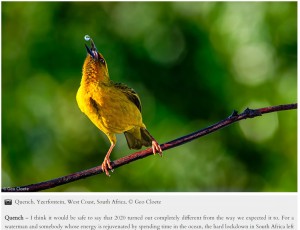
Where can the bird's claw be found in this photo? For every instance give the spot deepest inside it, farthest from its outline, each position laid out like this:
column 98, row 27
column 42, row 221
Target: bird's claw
column 106, row 166
column 156, row 148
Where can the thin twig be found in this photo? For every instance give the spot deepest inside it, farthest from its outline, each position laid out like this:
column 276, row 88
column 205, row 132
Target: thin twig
column 234, row 117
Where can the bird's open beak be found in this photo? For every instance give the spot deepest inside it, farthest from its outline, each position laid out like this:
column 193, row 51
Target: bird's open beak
column 93, row 50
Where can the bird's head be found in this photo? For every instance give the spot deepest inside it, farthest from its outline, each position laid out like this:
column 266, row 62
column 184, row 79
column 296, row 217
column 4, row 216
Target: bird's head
column 94, row 67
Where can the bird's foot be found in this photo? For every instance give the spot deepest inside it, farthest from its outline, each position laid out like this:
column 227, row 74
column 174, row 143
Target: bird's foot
column 156, row 148
column 106, row 166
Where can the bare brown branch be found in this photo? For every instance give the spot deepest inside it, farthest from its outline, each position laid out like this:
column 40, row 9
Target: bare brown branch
column 234, row 117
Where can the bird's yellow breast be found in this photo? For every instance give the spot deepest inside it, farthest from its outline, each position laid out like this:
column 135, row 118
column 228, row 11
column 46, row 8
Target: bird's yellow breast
column 108, row 108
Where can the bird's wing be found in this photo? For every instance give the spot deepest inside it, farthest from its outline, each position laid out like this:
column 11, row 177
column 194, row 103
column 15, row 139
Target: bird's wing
column 130, row 94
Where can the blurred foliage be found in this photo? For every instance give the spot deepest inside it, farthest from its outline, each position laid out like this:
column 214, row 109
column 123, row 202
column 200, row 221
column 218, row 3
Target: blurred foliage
column 192, row 63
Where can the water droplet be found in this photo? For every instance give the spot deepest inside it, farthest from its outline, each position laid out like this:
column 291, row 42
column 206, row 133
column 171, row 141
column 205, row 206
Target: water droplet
column 87, row 37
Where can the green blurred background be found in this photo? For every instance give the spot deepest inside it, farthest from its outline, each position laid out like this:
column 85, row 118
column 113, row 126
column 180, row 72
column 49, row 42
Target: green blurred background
column 192, row 64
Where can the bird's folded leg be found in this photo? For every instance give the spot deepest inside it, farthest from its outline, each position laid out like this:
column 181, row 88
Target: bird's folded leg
column 156, row 147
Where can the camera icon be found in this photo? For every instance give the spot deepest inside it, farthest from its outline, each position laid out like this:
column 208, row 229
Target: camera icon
column 8, row 202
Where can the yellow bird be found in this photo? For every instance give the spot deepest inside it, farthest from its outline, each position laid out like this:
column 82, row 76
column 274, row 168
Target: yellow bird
column 112, row 107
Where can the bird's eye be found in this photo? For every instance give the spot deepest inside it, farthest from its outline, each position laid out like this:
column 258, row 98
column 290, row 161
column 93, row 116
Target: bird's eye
column 102, row 61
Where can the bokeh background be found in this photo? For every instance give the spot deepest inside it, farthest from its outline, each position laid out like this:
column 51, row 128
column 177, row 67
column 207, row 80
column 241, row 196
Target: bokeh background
column 192, row 63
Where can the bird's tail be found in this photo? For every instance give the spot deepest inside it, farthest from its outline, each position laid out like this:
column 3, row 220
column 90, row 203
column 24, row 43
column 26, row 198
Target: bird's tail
column 138, row 137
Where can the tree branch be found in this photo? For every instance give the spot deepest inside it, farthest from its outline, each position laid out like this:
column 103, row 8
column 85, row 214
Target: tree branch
column 234, row 117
